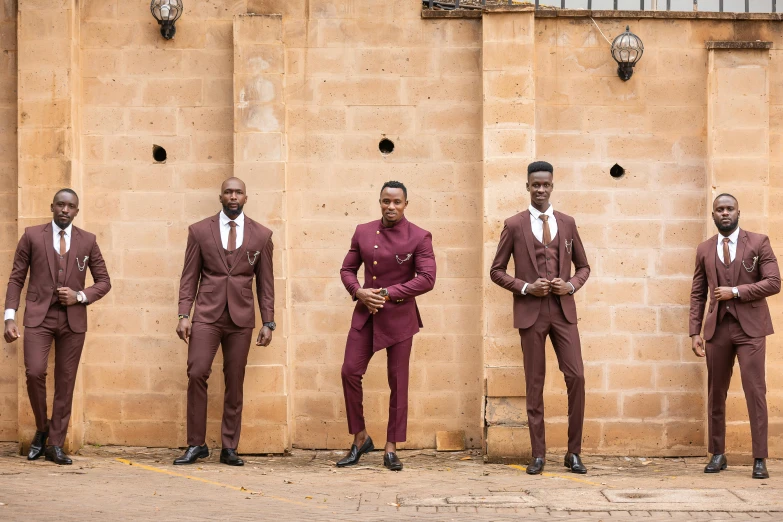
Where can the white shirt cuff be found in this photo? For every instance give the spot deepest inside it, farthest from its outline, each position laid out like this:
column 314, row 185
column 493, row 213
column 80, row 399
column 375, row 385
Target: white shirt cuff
column 573, row 289
column 524, row 289
column 10, row 313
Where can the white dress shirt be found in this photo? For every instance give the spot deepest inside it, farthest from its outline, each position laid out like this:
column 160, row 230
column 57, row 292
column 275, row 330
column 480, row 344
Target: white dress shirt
column 10, row 313
column 538, row 230
column 732, row 244
column 225, row 228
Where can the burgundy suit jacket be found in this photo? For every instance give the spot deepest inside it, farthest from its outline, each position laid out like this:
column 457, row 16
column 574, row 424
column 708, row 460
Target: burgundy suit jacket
column 400, row 259
column 207, row 280
column 35, row 252
column 755, row 285
column 517, row 240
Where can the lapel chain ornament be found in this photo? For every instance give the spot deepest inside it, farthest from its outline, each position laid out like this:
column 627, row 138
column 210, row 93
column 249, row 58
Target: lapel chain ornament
column 255, row 256
column 83, row 265
column 401, row 261
column 569, row 244
column 752, row 266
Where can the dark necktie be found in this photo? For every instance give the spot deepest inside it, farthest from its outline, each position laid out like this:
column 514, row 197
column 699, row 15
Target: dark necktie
column 232, row 236
column 547, row 233
column 726, row 252
column 62, row 242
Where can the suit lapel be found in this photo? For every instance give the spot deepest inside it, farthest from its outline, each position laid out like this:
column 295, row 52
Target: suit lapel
column 215, row 226
column 49, row 246
column 561, row 231
column 527, row 230
column 73, row 252
column 242, row 250
column 742, row 242
column 711, row 266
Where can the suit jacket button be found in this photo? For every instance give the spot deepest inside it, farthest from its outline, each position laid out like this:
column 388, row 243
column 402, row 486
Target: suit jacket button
column 374, row 278
column 375, row 262
column 376, row 246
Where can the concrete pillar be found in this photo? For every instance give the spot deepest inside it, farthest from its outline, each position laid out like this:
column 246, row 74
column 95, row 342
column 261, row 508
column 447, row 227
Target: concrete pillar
column 48, row 150
column 509, row 144
column 259, row 159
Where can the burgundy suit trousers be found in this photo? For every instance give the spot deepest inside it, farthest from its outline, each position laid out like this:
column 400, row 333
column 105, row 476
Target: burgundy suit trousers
column 729, row 342
column 568, row 349
column 358, row 352
column 67, row 352
column 204, row 341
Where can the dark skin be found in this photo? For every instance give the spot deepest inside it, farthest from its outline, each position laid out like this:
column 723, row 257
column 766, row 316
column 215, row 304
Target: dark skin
column 65, row 208
column 725, row 214
column 393, row 204
column 233, row 196
column 540, row 185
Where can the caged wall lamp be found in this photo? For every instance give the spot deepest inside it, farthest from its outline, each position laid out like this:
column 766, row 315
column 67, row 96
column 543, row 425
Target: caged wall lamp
column 166, row 12
column 627, row 50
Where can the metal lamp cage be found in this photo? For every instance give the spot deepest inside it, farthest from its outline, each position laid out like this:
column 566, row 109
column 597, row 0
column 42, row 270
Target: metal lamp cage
column 166, row 10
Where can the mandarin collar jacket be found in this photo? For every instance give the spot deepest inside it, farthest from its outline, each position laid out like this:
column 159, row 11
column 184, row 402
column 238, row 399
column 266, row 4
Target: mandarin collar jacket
column 400, row 259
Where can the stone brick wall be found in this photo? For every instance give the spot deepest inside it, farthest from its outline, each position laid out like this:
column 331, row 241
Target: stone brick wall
column 294, row 96
column 8, row 207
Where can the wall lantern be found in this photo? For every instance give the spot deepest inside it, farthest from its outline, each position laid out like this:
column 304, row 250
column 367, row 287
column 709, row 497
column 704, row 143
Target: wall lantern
column 627, row 49
column 166, row 12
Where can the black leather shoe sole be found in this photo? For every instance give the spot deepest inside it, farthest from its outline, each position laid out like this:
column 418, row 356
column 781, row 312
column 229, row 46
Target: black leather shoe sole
column 396, row 466
column 202, row 455
column 237, row 462
column 58, row 462
column 713, row 470
column 366, row 448
column 760, row 476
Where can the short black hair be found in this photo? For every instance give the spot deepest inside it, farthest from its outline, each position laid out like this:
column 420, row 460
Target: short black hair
column 396, row 184
column 725, row 194
column 69, row 191
column 540, row 166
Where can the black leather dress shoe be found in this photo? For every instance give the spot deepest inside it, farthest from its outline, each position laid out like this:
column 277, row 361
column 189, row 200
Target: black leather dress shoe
column 229, row 456
column 38, row 445
column 57, row 455
column 574, row 463
column 760, row 469
column 716, row 464
column 192, row 454
column 391, row 461
column 353, row 456
column 536, row 466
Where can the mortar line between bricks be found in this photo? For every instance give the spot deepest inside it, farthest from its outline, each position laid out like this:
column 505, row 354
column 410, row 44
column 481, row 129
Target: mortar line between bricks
column 556, row 475
column 213, row 483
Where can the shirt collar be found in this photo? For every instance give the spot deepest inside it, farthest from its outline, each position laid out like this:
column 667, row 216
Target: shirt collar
column 224, row 219
column 535, row 213
column 733, row 237
column 57, row 229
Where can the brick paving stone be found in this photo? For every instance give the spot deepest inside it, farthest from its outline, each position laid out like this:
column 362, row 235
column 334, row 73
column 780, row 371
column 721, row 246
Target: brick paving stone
column 640, row 513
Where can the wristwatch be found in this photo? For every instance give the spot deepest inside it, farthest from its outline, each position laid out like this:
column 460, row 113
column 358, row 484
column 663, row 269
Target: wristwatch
column 183, row 316
column 384, row 293
column 735, row 291
column 271, row 325
column 79, row 297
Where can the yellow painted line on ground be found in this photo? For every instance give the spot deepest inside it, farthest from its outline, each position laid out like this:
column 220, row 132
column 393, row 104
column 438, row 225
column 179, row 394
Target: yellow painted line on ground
column 213, row 483
column 556, row 475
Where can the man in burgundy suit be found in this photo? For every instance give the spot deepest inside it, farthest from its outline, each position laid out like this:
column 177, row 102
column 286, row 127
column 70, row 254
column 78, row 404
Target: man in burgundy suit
column 544, row 244
column 57, row 254
column 740, row 271
column 223, row 254
column 399, row 265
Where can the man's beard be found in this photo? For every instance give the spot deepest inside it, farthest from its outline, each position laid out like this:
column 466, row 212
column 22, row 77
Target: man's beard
column 726, row 228
column 232, row 213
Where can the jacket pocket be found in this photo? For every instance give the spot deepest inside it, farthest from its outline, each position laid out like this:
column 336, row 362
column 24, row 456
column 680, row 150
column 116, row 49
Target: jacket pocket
column 31, row 297
column 205, row 289
column 247, row 292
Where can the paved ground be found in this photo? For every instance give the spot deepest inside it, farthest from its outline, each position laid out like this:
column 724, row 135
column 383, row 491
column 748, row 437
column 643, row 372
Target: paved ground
column 141, row 484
